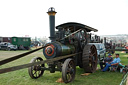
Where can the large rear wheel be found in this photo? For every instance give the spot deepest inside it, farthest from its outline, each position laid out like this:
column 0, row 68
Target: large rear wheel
column 89, row 58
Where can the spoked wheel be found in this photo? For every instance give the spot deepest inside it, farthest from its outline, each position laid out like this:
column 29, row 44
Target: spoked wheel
column 68, row 70
column 82, row 38
column 89, row 58
column 36, row 71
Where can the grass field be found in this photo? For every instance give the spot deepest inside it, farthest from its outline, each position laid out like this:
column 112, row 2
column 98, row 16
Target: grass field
column 21, row 77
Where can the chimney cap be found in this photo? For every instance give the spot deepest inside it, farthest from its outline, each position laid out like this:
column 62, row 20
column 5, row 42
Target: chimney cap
column 51, row 9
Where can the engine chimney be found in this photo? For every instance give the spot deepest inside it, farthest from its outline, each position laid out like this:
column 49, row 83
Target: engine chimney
column 51, row 12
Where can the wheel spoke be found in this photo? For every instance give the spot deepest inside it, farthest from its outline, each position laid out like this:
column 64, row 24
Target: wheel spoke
column 39, row 72
column 93, row 53
column 69, row 65
column 69, row 77
column 35, row 72
column 95, row 61
column 93, row 50
column 90, row 59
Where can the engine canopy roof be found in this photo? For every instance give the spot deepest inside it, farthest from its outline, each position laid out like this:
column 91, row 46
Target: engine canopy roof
column 73, row 25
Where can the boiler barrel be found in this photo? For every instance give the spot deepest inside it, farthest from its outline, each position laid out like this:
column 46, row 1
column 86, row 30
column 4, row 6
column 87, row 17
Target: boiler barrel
column 57, row 49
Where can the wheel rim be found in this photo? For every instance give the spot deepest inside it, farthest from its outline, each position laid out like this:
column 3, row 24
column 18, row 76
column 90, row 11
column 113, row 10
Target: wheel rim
column 93, row 58
column 36, row 71
column 68, row 71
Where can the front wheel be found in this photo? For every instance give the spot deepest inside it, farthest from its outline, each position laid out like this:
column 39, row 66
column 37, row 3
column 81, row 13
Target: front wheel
column 68, row 70
column 36, row 71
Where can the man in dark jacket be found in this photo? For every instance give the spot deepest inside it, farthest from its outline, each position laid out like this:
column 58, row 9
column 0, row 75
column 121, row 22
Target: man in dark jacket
column 108, row 59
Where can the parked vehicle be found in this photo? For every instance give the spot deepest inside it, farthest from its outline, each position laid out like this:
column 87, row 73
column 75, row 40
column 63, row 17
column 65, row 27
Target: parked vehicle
column 7, row 46
column 21, row 42
column 101, row 50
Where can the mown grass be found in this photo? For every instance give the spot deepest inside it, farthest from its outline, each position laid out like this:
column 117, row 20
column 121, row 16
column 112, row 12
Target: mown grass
column 21, row 77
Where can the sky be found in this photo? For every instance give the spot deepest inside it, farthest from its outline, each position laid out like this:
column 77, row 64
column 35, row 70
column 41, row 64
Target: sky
column 29, row 17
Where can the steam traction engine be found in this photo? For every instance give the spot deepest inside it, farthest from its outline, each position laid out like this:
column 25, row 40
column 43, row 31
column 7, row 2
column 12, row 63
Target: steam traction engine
column 70, row 43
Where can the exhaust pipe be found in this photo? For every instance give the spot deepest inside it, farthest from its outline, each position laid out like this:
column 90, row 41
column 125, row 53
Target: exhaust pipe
column 51, row 12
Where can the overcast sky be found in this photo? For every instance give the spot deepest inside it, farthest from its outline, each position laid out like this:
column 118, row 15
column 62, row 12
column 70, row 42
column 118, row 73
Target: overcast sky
column 29, row 17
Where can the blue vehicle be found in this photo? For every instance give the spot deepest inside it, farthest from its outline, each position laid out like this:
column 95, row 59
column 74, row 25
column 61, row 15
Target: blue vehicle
column 101, row 50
